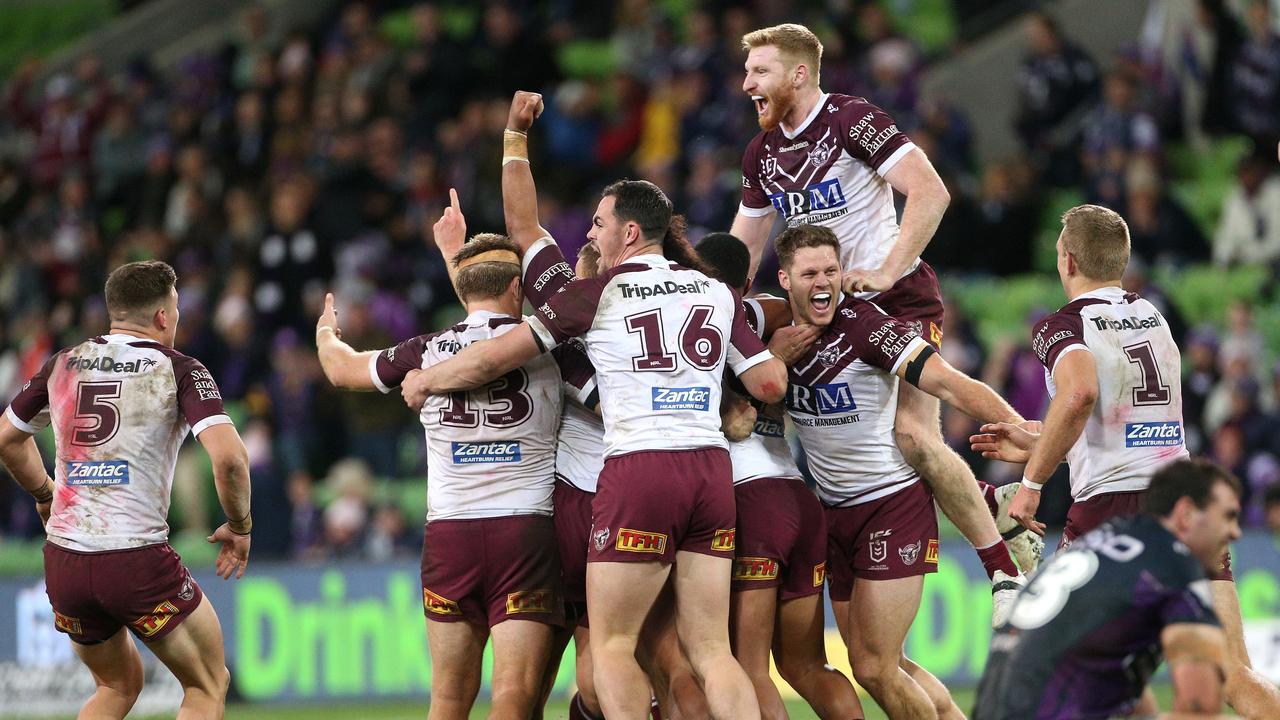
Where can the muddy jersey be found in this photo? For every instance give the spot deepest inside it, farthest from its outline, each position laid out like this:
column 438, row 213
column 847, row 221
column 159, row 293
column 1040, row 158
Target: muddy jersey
column 1083, row 638
column 765, row 453
column 843, row 399
column 660, row 336
column 491, row 450
column 1136, row 425
column 830, row 172
column 120, row 408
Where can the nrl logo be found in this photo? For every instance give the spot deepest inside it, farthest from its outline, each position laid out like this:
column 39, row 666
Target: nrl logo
column 909, row 553
column 819, row 154
column 848, row 313
column 831, row 107
column 600, row 538
column 879, row 545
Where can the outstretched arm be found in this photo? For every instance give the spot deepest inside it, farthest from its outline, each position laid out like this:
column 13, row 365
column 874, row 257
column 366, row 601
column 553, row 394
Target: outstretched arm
column 474, row 366
column 343, row 365
column 972, row 397
column 519, row 194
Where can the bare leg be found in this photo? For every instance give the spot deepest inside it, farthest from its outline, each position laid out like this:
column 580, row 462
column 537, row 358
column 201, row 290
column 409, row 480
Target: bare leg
column 457, row 651
column 675, row 684
column 942, row 702
column 799, row 647
column 1248, row 692
column 560, row 638
column 751, row 629
column 117, row 671
column 880, row 614
column 193, row 653
column 520, row 650
column 702, row 615
column 584, row 675
column 620, row 596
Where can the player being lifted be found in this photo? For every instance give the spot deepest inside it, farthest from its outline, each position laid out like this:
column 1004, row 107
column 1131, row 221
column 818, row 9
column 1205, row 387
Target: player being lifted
column 881, row 524
column 1113, row 371
column 120, row 406
column 580, row 449
column 1093, row 625
column 659, row 337
column 489, row 562
column 834, row 160
column 780, row 569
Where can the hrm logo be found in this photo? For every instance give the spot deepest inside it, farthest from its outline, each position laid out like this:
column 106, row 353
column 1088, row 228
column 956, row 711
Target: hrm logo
column 826, row 399
column 681, row 398
column 468, row 453
column 640, row 541
column 98, row 472
column 826, row 195
column 1152, row 434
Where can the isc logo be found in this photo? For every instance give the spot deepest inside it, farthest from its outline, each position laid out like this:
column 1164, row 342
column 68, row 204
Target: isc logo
column 640, row 542
column 467, row 453
column 825, row 195
column 1152, row 434
column 821, row 399
column 685, row 398
column 755, row 568
column 98, row 473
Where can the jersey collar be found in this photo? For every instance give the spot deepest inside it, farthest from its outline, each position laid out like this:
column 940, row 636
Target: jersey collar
column 479, row 317
column 1111, row 294
column 119, row 338
column 817, row 108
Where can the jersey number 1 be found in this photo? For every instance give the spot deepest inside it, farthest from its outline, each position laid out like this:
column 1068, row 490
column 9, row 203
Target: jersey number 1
column 1152, row 391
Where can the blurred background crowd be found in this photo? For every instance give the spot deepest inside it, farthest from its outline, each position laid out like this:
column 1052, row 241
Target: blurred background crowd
column 295, row 160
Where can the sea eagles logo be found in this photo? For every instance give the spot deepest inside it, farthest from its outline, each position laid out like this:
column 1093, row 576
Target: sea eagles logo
column 909, row 553
column 188, row 590
column 820, row 154
column 600, row 538
column 830, row 356
column 848, row 313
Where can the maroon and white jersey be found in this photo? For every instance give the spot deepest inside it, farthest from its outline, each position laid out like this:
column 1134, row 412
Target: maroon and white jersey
column 843, row 399
column 120, row 407
column 765, row 453
column 831, row 172
column 491, row 451
column 659, row 336
column 1136, row 425
column 580, row 449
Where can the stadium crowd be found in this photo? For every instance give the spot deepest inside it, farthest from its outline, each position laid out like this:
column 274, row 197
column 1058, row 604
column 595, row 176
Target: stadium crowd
column 298, row 161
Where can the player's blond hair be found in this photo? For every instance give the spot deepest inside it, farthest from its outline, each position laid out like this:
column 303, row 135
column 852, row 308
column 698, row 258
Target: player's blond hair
column 1099, row 240
column 796, row 43
column 484, row 280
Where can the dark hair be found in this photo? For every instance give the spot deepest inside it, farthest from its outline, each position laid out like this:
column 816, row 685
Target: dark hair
column 485, row 280
column 677, row 248
column 138, row 286
column 727, row 258
column 643, row 203
column 803, row 236
column 1185, row 478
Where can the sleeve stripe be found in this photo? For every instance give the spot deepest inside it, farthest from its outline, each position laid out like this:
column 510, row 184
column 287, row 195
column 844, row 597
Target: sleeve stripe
column 209, row 422
column 754, row 360
column 532, row 252
column 1076, row 345
column 588, row 389
column 909, row 352
column 19, row 423
column 373, row 373
column 893, row 159
column 757, row 313
column 743, row 209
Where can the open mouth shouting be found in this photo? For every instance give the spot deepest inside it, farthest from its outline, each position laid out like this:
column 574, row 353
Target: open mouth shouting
column 762, row 104
column 820, row 302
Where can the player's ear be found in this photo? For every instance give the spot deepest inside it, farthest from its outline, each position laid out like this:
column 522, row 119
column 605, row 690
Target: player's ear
column 515, row 288
column 784, row 280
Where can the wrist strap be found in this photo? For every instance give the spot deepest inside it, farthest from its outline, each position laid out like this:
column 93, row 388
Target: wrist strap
column 242, row 526
column 45, row 492
column 1031, row 485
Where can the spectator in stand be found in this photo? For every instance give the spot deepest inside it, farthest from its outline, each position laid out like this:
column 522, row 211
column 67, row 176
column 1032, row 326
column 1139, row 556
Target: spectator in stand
column 1057, row 80
column 1007, row 218
column 1271, row 506
column 1160, row 230
column 346, row 517
column 65, row 123
column 1217, row 28
column 1137, row 280
column 1115, row 133
column 306, row 521
column 1255, row 96
column 1249, row 229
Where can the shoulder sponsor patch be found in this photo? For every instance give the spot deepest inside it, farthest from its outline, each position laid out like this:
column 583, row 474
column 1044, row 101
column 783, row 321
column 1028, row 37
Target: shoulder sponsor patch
column 97, row 472
column 681, row 398
column 439, row 605
column 819, row 574
column 931, row 553
column 755, row 568
column 470, row 453
column 148, row 625
column 530, row 601
column 639, row 541
column 1152, row 434
column 724, row 539
column 67, row 624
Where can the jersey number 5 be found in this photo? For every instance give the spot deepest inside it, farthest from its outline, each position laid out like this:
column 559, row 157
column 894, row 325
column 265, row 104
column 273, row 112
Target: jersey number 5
column 701, row 344
column 93, row 403
column 1152, row 391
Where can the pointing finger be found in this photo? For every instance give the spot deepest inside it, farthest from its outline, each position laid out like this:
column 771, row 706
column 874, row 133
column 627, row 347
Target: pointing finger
column 453, row 200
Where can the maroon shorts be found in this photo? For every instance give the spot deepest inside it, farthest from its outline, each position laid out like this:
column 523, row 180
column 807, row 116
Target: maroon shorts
column 1086, row 515
column 95, row 594
column 916, row 298
column 573, row 533
column 489, row 570
column 650, row 504
column 892, row 537
column 781, row 537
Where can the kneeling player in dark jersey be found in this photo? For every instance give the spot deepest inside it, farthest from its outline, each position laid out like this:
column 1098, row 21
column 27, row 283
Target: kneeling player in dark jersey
column 1088, row 632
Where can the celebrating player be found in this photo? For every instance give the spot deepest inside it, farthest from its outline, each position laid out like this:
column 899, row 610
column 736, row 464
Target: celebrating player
column 489, row 561
column 881, row 525
column 782, row 539
column 121, row 405
column 834, row 160
column 1115, row 413
column 1089, row 631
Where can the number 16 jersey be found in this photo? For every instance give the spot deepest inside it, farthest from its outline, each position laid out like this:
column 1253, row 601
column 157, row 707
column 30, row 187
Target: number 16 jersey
column 1136, row 425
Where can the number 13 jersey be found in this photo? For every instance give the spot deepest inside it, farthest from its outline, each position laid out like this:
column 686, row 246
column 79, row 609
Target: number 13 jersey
column 1136, row 425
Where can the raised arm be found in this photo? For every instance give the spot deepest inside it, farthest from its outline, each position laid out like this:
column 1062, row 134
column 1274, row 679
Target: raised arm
column 343, row 365
column 927, row 201
column 519, row 194
column 753, row 231
column 930, row 372
column 21, row 457
column 231, row 479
